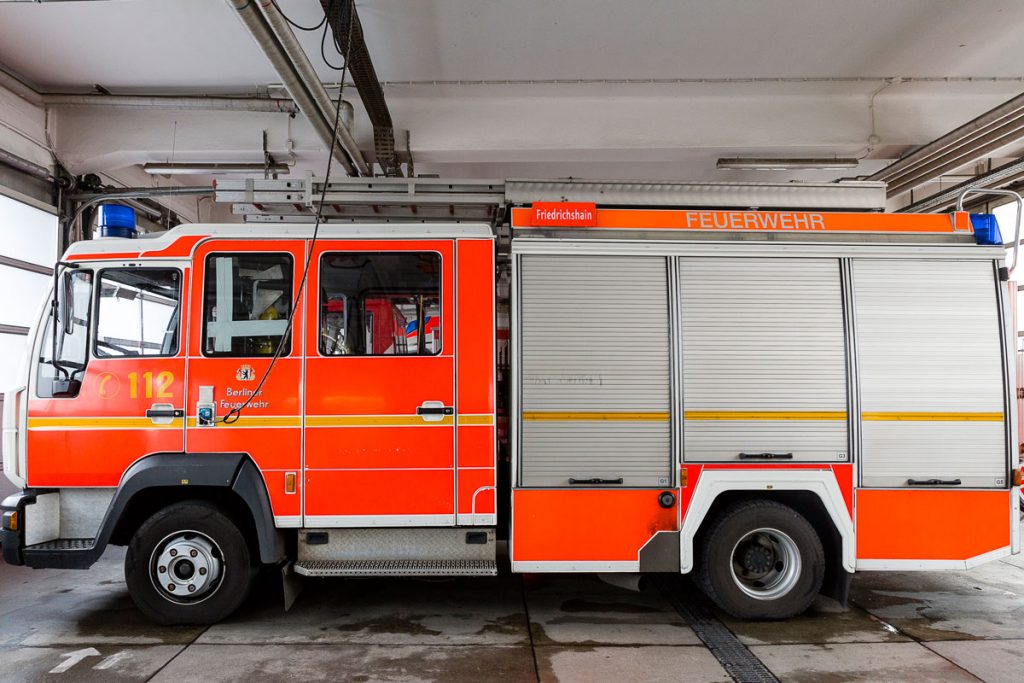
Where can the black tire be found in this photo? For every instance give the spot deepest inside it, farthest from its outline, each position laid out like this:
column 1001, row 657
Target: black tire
column 762, row 583
column 190, row 534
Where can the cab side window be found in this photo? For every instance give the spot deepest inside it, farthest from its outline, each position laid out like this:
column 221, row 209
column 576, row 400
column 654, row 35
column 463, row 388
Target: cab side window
column 247, row 299
column 380, row 304
column 64, row 355
column 138, row 313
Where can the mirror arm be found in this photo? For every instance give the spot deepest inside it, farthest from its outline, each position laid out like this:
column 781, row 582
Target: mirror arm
column 58, row 270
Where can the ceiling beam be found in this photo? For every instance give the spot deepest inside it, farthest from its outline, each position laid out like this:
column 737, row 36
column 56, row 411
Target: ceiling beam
column 256, row 23
column 974, row 140
column 1002, row 177
column 348, row 36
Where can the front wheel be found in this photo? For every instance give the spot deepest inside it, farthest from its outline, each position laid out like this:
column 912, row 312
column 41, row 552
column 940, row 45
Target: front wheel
column 189, row 564
column 761, row 560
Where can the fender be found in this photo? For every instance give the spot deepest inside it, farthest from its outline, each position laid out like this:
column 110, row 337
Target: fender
column 234, row 471
column 713, row 482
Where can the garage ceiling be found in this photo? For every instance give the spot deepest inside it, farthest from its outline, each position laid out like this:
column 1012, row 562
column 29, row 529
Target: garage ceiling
column 197, row 46
column 646, row 89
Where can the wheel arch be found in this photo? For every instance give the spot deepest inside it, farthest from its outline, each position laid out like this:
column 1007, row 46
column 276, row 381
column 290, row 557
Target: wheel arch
column 230, row 480
column 815, row 494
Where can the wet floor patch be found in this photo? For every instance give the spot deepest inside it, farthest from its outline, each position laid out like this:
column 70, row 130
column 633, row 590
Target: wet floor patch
column 825, row 622
column 859, row 662
column 392, row 611
column 583, row 611
column 983, row 603
column 650, row 664
column 994, row 661
column 54, row 607
column 349, row 662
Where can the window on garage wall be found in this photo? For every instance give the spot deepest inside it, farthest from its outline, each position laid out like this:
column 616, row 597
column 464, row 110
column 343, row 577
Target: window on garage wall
column 1006, row 215
column 28, row 250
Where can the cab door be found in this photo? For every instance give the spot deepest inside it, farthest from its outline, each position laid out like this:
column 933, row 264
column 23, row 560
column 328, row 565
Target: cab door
column 380, row 384
column 116, row 392
column 242, row 295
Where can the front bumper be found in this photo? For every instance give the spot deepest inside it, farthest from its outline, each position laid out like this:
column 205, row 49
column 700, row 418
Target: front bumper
column 12, row 513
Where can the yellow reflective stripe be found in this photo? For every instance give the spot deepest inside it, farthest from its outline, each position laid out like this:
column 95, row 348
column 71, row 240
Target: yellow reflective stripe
column 932, row 417
column 465, row 420
column 765, row 414
column 741, row 415
column 101, row 423
column 255, row 421
column 690, row 415
column 376, row 421
column 595, row 417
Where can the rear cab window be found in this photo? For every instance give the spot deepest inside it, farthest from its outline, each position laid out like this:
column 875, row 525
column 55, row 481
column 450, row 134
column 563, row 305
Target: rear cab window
column 247, row 300
column 380, row 304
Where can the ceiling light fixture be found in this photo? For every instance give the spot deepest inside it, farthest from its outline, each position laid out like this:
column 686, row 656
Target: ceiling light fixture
column 789, row 164
column 177, row 168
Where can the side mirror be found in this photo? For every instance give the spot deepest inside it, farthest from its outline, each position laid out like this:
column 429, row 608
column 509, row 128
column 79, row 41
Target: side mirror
column 66, row 312
column 65, row 388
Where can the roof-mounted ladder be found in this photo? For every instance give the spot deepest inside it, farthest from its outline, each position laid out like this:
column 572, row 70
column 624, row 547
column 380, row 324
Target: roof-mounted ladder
column 459, row 200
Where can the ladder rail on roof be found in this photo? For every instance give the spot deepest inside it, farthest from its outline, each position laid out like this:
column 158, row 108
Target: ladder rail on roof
column 458, row 199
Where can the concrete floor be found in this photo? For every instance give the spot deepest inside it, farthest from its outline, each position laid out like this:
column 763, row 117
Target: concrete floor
column 82, row 626
column 918, row 626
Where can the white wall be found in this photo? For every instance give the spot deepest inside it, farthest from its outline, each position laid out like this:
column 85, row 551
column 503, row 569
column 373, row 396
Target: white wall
column 27, row 234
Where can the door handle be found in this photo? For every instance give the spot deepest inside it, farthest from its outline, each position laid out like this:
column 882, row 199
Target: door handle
column 766, row 456
column 595, row 481
column 933, row 482
column 163, row 413
column 434, row 411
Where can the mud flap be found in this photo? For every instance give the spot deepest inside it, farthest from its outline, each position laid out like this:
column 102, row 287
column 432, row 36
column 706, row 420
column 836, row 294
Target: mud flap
column 837, row 586
column 291, row 585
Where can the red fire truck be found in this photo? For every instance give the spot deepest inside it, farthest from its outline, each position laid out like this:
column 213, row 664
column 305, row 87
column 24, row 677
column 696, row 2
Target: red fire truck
column 769, row 400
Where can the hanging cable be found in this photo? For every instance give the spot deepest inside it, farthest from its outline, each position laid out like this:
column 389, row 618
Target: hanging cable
column 232, row 416
column 334, row 41
column 298, row 26
column 323, row 36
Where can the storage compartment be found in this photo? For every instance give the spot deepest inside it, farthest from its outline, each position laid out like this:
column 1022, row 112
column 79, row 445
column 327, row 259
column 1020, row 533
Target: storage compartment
column 594, row 380
column 931, row 373
column 764, row 360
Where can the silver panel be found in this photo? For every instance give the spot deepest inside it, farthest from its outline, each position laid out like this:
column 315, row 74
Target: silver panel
column 397, row 544
column 929, row 345
column 764, row 360
column 82, row 511
column 397, row 568
column 820, row 196
column 42, row 519
column 761, row 248
column 970, row 451
column 555, row 451
column 594, row 339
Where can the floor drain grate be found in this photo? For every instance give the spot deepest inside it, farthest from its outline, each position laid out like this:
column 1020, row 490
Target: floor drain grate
column 738, row 661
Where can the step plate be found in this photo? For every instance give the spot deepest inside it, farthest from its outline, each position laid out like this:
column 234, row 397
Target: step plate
column 63, row 544
column 397, row 568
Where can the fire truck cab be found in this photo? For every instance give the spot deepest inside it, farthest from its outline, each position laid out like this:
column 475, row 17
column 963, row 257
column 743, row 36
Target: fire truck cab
column 770, row 400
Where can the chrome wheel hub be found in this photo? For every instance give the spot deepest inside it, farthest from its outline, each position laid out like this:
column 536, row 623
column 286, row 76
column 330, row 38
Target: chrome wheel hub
column 186, row 567
column 766, row 564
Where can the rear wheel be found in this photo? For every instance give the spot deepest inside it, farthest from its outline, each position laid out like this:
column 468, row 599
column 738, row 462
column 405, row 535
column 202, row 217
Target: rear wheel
column 761, row 560
column 189, row 564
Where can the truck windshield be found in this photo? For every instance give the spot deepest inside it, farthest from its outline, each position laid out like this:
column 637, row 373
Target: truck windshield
column 65, row 357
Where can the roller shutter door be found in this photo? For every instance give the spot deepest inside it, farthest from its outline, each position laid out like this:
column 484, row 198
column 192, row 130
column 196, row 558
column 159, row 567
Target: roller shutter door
column 764, row 360
column 931, row 375
column 595, row 370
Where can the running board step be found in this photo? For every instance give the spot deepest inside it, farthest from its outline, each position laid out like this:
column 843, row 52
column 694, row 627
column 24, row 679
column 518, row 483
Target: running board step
column 397, row 568
column 64, row 544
